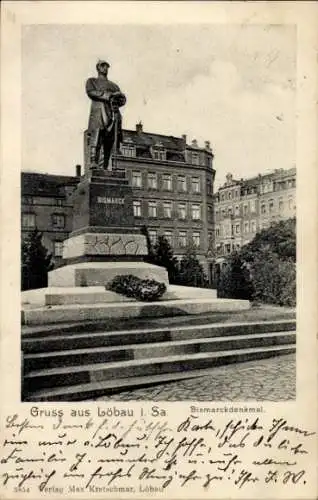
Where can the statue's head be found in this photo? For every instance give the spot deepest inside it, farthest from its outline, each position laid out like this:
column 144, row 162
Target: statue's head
column 102, row 67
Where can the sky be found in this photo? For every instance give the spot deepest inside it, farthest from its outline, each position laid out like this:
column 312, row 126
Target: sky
column 234, row 85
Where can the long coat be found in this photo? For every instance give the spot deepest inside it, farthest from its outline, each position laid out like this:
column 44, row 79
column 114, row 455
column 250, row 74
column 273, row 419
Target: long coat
column 97, row 90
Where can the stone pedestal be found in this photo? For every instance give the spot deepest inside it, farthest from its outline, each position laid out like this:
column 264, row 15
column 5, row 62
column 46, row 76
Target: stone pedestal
column 104, row 242
column 85, row 274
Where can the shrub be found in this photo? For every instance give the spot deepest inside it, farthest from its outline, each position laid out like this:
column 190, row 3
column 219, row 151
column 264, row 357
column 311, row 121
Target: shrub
column 140, row 289
column 36, row 262
column 274, row 279
column 162, row 255
column 235, row 282
column 191, row 272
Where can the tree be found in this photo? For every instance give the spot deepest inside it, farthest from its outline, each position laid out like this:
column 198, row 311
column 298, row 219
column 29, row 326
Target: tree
column 36, row 262
column 150, row 256
column 264, row 270
column 274, row 278
column 191, row 272
column 235, row 282
column 163, row 256
column 279, row 238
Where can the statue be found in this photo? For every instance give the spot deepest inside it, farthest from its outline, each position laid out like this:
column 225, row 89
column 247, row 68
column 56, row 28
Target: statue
column 105, row 122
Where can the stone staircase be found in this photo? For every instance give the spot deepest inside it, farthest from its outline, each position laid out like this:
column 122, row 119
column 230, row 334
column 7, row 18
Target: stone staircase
column 75, row 363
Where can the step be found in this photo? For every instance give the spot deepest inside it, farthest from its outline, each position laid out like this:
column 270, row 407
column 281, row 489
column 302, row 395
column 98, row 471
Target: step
column 70, row 340
column 89, row 390
column 88, row 355
column 102, row 311
column 251, row 316
column 69, row 375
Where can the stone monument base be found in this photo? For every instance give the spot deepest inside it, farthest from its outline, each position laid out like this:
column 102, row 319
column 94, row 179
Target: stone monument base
column 107, row 244
column 52, row 305
column 85, row 274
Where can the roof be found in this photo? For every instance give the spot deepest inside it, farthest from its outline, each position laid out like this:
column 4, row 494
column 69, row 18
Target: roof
column 147, row 140
column 275, row 174
column 45, row 184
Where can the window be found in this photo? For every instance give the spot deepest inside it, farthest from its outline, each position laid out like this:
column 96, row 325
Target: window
column 196, row 239
column 195, row 159
column 222, row 197
column 246, row 227
column 196, row 212
column 128, row 151
column 58, row 221
column 27, row 200
column 210, row 213
column 237, row 228
column 263, row 209
column 223, row 213
column 136, row 179
column 216, row 214
column 28, row 221
column 253, row 226
column 245, row 209
column 181, row 183
column 230, row 211
column 208, row 186
column 182, row 240
column 237, row 210
column 228, row 248
column 166, row 182
column 227, row 230
column 281, row 205
column 230, row 195
column 159, row 154
column 253, row 206
column 152, row 236
column 137, row 208
column 168, row 236
column 217, row 231
column 271, row 206
column 181, row 211
column 58, row 248
column 59, row 202
column 195, row 185
column 290, row 203
column 167, row 209
column 152, row 181
column 152, row 207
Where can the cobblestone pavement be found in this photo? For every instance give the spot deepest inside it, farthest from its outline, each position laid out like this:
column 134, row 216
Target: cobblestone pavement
column 271, row 379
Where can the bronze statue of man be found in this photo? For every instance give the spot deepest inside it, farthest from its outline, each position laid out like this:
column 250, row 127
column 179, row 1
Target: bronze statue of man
column 105, row 122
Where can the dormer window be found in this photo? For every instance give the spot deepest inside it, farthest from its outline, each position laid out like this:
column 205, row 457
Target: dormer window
column 195, row 159
column 128, row 148
column 158, row 152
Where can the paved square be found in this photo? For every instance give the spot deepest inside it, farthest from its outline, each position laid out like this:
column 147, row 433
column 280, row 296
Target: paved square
column 271, row 379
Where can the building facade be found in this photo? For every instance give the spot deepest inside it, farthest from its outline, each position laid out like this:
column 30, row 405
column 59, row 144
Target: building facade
column 244, row 207
column 172, row 185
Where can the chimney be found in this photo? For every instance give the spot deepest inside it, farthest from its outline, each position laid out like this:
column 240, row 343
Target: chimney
column 139, row 128
column 207, row 145
column 194, row 143
column 184, row 137
column 78, row 170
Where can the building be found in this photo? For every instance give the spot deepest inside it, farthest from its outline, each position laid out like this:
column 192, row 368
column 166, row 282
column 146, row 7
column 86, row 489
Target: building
column 44, row 205
column 244, row 207
column 172, row 185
